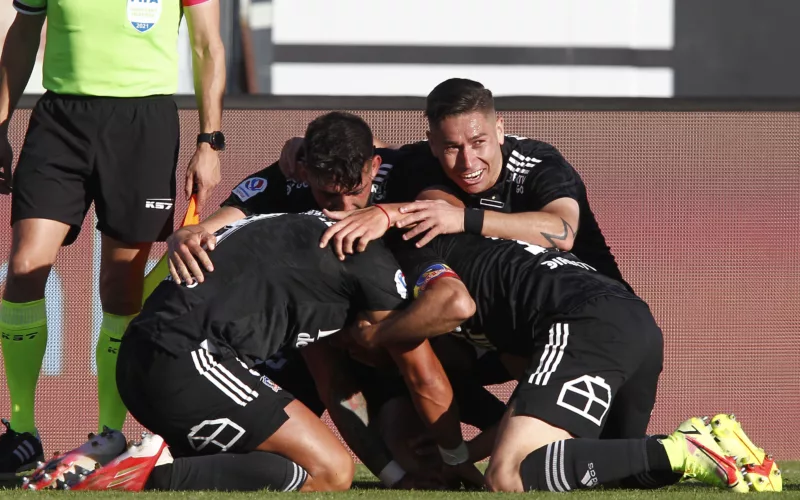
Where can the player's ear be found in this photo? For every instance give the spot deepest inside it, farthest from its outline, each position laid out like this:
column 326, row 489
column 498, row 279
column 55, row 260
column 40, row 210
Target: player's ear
column 501, row 130
column 377, row 161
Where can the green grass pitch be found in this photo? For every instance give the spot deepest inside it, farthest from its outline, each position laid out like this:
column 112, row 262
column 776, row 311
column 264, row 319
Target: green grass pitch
column 366, row 486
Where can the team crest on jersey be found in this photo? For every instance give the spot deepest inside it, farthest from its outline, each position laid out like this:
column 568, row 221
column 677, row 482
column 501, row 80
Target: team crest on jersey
column 144, row 14
column 250, row 187
column 400, row 283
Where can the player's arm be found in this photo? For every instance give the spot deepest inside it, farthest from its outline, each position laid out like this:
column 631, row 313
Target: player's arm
column 16, row 65
column 257, row 193
column 445, row 304
column 187, row 245
column 432, row 396
column 347, row 407
column 208, row 63
column 549, row 218
column 554, row 226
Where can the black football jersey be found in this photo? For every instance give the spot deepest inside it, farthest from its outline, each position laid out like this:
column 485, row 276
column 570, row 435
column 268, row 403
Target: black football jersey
column 534, row 174
column 272, row 287
column 518, row 288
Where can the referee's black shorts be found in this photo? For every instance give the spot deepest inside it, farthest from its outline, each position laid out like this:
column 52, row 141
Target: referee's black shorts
column 120, row 153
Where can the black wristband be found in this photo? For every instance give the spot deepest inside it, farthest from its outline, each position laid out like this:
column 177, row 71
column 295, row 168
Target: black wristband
column 473, row 220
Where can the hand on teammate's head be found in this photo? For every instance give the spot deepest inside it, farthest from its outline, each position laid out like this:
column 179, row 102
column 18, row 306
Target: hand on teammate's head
column 187, row 246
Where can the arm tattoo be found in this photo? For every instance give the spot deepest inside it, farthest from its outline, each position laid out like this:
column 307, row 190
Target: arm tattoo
column 561, row 237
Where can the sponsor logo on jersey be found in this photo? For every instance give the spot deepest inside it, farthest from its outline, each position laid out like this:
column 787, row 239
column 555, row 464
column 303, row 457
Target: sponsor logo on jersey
column 291, row 185
column 431, row 274
column 250, row 187
column 144, row 14
column 159, row 203
column 557, row 262
column 303, row 339
column 400, row 283
column 324, row 333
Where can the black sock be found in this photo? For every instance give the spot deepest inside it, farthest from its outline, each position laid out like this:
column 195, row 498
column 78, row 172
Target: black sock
column 252, row 471
column 585, row 463
column 658, row 476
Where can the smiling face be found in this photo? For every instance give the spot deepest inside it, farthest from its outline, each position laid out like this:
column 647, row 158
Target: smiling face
column 467, row 146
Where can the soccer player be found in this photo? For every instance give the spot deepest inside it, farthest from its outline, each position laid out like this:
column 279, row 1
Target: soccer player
column 594, row 355
column 512, row 187
column 340, row 170
column 106, row 131
column 185, row 364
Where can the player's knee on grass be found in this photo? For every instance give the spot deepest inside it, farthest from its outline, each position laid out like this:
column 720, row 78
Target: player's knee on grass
column 308, row 442
column 518, row 437
column 333, row 474
column 503, row 477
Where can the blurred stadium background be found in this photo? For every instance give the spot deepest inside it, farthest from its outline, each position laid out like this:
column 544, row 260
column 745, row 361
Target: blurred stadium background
column 681, row 115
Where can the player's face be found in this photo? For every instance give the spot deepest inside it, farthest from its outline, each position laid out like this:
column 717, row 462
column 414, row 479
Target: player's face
column 468, row 148
column 332, row 197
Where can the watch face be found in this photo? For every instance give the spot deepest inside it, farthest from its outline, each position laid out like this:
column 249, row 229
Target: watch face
column 218, row 140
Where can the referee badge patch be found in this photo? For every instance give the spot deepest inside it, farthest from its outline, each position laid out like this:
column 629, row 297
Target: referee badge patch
column 144, row 14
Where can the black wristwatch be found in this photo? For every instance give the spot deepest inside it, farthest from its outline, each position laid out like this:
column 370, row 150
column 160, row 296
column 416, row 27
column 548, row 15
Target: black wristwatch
column 215, row 139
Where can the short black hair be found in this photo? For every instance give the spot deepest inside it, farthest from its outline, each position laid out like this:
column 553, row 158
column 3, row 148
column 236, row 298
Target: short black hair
column 457, row 96
column 336, row 147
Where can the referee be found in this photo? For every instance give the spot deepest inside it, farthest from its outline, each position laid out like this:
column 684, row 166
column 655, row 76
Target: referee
column 106, row 131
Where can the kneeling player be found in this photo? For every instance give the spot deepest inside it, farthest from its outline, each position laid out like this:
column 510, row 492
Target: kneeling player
column 184, row 365
column 594, row 355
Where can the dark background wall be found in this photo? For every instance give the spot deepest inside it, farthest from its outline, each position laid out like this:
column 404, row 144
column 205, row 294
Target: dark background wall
column 732, row 48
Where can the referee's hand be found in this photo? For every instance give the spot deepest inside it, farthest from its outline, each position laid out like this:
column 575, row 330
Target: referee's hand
column 6, row 157
column 202, row 174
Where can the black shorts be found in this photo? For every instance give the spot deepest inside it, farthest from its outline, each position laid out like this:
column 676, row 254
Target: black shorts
column 595, row 373
column 198, row 403
column 119, row 153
